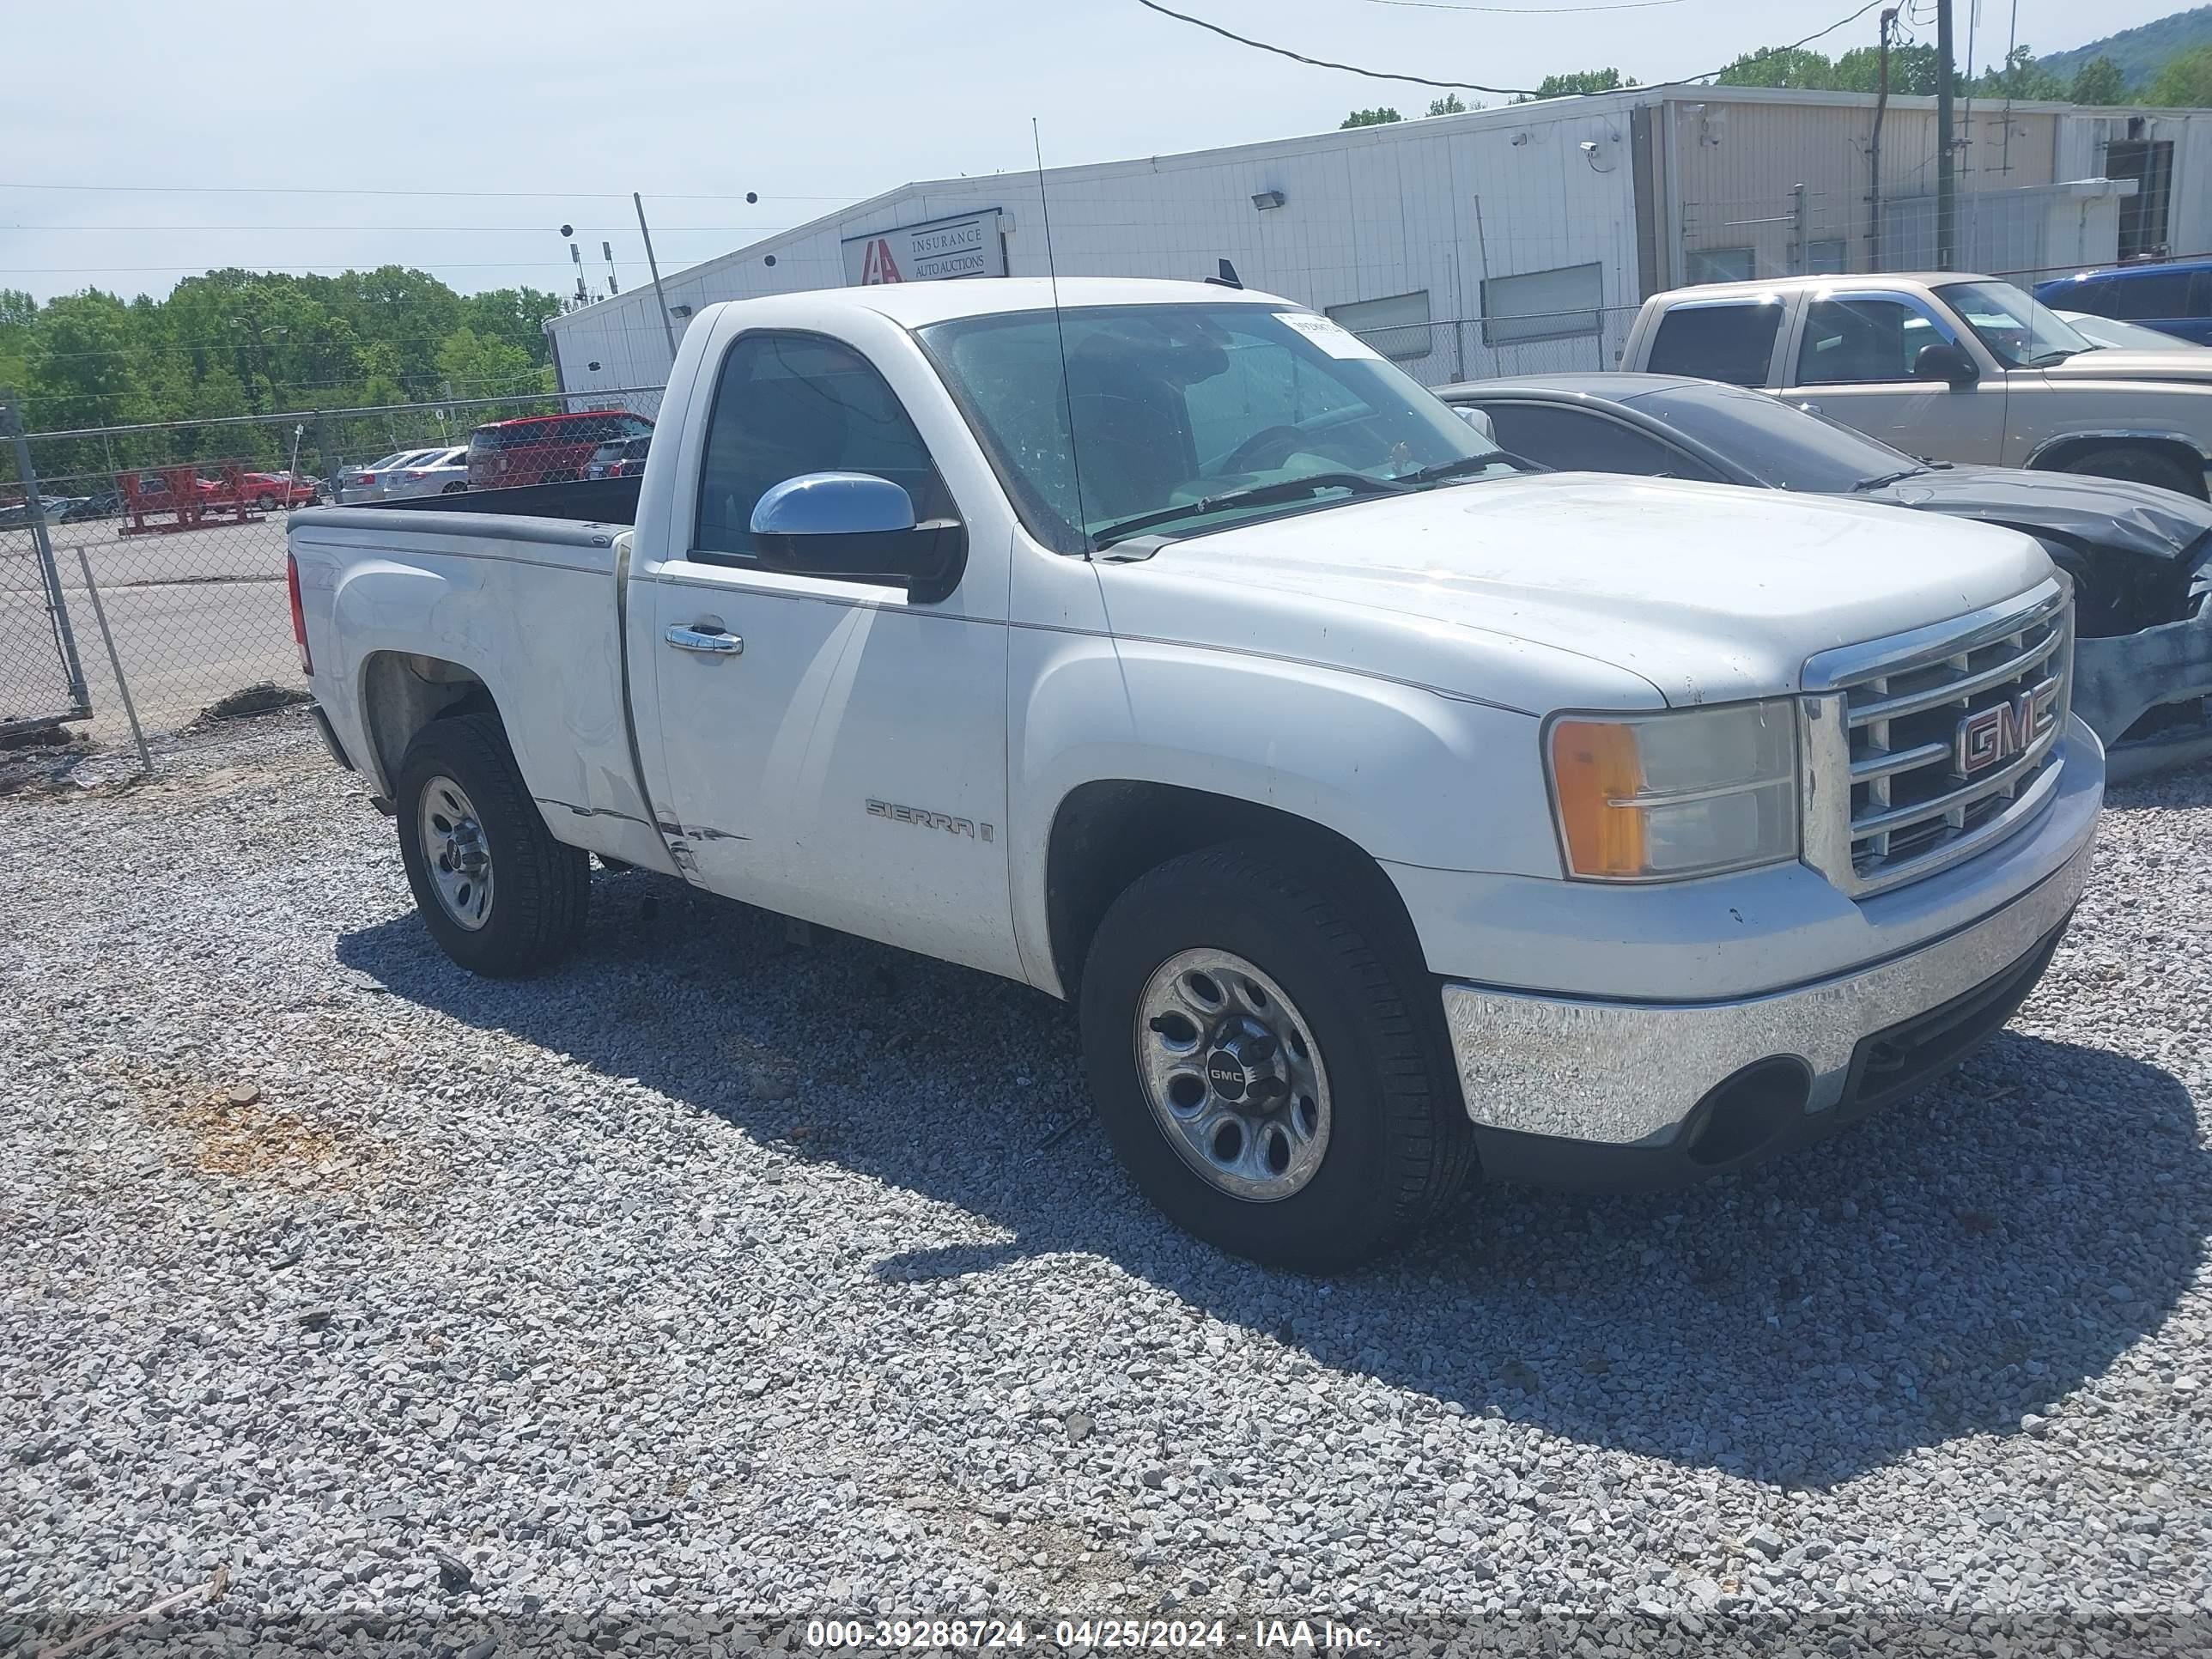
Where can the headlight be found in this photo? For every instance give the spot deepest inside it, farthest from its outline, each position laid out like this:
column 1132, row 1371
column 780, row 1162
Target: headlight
column 1689, row 793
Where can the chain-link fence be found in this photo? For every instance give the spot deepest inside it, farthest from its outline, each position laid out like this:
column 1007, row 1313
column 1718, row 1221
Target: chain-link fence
column 1439, row 353
column 2024, row 233
column 141, row 567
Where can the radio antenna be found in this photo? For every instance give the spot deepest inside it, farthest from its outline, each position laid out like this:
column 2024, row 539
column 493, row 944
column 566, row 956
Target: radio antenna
column 1060, row 329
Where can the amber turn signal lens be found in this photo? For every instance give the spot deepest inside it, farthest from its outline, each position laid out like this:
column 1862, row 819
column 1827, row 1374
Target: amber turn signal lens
column 1593, row 764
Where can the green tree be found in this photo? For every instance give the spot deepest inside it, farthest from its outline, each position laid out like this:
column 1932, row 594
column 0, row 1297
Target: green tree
column 2019, row 77
column 474, row 366
column 1787, row 66
column 1577, row 80
column 1912, row 71
column 1380, row 117
column 2184, row 82
column 2099, row 81
column 1450, row 105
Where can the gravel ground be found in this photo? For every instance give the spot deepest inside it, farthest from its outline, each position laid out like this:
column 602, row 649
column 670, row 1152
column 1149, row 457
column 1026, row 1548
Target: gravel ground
column 716, row 1278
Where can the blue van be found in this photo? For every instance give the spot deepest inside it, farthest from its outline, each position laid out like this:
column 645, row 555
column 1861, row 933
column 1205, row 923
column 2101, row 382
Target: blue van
column 2175, row 298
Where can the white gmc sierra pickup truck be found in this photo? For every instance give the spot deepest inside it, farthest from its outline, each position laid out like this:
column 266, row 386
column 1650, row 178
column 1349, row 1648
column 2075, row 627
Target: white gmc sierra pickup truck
column 1389, row 809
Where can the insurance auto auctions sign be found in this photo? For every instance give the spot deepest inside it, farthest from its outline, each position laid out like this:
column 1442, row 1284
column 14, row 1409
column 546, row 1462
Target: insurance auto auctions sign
column 969, row 245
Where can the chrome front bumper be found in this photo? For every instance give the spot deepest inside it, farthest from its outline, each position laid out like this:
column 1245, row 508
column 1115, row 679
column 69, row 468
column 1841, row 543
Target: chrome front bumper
column 1629, row 1074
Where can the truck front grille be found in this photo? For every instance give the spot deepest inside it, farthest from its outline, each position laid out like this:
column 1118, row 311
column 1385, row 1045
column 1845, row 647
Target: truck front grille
column 1925, row 749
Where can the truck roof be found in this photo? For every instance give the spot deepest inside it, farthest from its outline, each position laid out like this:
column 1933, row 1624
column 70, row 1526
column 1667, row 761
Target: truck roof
column 914, row 304
column 1900, row 281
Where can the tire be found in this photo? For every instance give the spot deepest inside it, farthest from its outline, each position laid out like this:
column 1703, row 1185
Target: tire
column 1393, row 1143
column 2138, row 465
column 527, row 913
column 265, row 503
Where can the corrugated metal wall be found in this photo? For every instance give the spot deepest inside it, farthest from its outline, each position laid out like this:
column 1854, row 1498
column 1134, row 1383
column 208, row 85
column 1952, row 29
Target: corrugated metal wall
column 1434, row 205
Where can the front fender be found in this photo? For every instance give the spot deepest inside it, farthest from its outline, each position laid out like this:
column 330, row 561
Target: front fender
column 1410, row 776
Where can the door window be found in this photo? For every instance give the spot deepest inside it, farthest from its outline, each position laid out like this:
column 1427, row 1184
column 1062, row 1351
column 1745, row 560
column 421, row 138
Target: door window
column 1583, row 440
column 2149, row 296
column 1855, row 341
column 1719, row 342
column 790, row 404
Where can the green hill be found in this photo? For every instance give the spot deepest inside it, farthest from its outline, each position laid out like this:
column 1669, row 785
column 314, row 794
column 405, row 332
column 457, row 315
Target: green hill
column 2139, row 51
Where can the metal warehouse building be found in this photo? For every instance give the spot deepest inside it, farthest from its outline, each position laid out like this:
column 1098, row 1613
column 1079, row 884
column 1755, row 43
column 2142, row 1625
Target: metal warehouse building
column 1501, row 240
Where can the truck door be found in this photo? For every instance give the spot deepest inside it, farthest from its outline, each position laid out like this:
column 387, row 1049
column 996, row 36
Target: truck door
column 1854, row 363
column 831, row 748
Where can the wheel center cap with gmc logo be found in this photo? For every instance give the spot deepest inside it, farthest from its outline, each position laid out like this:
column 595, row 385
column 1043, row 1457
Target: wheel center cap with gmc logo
column 1227, row 1075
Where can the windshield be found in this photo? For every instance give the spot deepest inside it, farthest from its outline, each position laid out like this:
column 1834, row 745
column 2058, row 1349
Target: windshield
column 2124, row 336
column 1180, row 412
column 1787, row 446
column 2019, row 331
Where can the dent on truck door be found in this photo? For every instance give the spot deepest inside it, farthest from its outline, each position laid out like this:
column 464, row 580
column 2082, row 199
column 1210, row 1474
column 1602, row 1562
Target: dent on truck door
column 834, row 750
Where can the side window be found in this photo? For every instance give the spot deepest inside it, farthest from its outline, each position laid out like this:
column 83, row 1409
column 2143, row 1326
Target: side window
column 633, row 427
column 2150, row 296
column 1853, row 342
column 789, row 403
column 1733, row 343
column 1581, row 441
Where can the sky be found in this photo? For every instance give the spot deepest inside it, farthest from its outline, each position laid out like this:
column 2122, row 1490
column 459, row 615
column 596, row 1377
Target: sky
column 458, row 139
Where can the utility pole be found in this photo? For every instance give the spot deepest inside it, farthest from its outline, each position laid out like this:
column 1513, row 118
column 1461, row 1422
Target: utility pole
column 1874, row 146
column 1945, row 154
column 659, row 300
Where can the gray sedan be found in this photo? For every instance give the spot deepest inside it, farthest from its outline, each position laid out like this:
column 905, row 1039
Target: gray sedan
column 2141, row 557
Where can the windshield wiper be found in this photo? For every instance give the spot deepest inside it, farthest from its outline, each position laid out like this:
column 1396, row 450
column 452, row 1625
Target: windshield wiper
column 1287, row 489
column 1463, row 464
column 1899, row 477
column 2050, row 357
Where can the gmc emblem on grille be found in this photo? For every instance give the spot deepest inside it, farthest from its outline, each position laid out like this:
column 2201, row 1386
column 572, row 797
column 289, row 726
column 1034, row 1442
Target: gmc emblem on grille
column 1991, row 735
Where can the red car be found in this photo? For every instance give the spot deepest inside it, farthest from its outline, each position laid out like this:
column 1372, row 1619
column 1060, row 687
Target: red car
column 536, row 449
column 271, row 490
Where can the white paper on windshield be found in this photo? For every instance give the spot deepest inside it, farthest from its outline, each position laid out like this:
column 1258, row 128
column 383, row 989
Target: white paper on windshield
column 1331, row 337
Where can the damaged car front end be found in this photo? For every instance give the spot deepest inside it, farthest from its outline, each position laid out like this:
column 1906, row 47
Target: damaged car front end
column 2140, row 556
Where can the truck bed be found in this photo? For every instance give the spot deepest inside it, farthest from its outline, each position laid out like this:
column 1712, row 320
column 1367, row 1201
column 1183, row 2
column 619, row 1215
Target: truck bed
column 583, row 500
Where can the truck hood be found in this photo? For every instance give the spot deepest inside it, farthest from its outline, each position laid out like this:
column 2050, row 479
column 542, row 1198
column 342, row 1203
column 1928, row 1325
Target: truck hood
column 2133, row 518
column 2109, row 364
column 1543, row 591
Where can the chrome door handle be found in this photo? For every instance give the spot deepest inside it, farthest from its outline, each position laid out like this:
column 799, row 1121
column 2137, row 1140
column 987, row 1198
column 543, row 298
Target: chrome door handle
column 696, row 639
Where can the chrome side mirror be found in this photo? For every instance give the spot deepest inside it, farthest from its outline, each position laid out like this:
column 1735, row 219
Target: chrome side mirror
column 1477, row 418
column 833, row 504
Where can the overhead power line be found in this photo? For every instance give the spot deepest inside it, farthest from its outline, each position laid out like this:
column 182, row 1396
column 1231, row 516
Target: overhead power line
column 1476, row 86
column 468, row 230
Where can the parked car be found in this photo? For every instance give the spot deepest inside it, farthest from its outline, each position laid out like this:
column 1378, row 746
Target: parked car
column 2140, row 557
column 534, row 449
column 359, row 484
column 101, row 504
column 618, row 457
column 1958, row 368
column 55, row 509
column 2117, row 335
column 1387, row 811
column 2174, row 297
column 266, row 492
column 436, row 472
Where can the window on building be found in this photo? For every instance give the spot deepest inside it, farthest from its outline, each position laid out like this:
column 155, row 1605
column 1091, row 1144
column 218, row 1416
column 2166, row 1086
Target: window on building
column 1398, row 326
column 1719, row 341
column 1828, row 257
column 1542, row 305
column 1722, row 265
